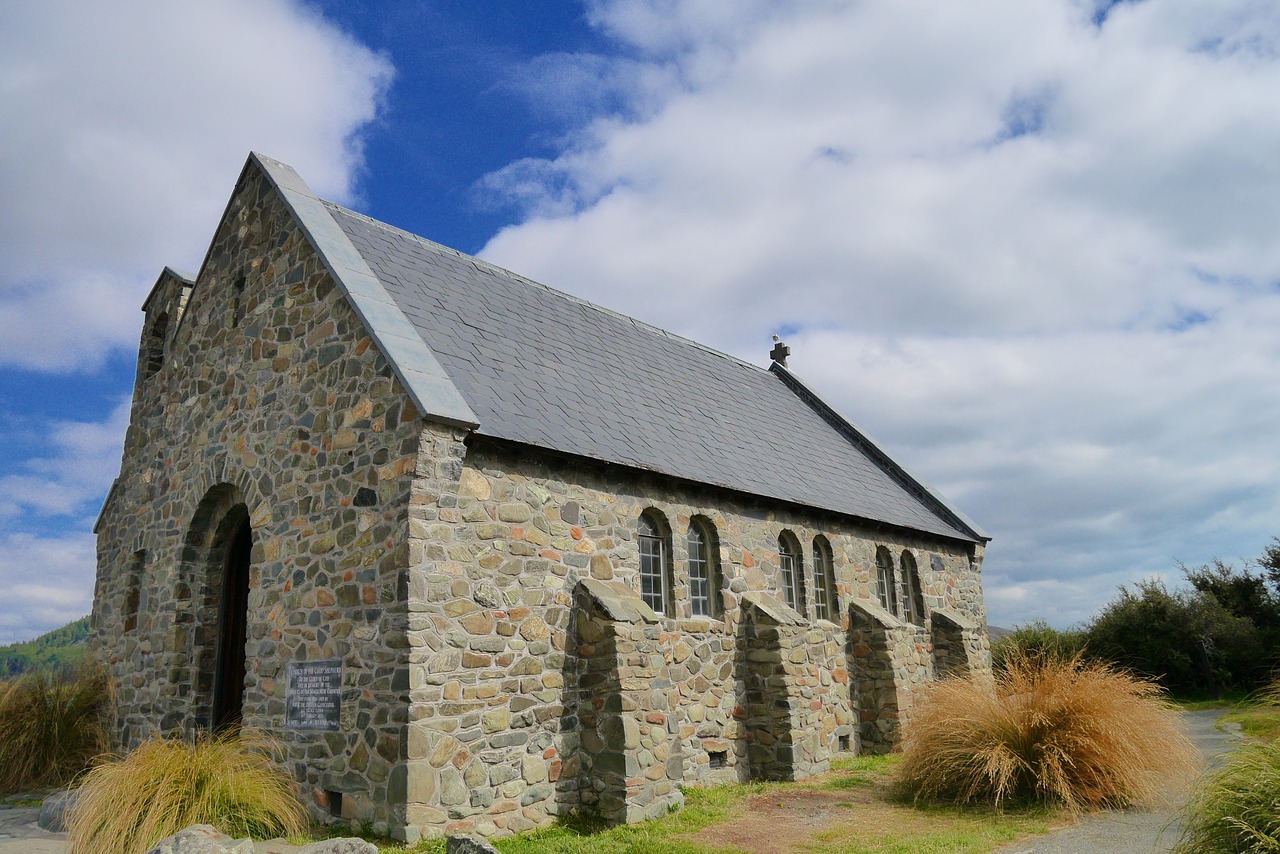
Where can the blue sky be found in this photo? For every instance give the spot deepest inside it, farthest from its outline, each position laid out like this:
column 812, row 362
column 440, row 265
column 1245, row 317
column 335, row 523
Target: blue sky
column 1028, row 246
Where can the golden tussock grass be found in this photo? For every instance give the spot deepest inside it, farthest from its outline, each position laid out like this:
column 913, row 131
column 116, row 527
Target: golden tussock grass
column 51, row 727
column 1056, row 731
column 229, row 781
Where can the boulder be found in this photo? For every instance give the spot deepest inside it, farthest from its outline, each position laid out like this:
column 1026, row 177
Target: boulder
column 201, row 839
column 54, row 808
column 342, row 845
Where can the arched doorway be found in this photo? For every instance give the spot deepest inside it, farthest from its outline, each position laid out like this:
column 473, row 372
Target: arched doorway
column 233, row 613
column 211, row 599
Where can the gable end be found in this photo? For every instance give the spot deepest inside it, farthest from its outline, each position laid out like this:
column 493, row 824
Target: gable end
column 428, row 386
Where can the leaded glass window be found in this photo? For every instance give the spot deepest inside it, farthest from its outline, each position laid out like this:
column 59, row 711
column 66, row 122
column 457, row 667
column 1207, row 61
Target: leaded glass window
column 912, row 600
column 655, row 587
column 702, row 575
column 824, row 585
column 789, row 562
column 886, row 585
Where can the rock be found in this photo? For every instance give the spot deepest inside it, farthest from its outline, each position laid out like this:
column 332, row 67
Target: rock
column 341, row 845
column 53, row 810
column 467, row 844
column 201, row 839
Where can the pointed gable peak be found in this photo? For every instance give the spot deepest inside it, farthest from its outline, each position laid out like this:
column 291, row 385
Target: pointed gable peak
column 428, row 386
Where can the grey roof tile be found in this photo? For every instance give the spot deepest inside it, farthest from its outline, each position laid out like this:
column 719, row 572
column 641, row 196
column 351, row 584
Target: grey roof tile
column 541, row 367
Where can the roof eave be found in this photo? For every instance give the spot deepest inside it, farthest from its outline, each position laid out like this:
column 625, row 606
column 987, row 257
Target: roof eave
column 935, row 500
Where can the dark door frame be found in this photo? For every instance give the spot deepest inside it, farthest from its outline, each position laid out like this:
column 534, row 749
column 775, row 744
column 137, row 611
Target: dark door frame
column 233, row 624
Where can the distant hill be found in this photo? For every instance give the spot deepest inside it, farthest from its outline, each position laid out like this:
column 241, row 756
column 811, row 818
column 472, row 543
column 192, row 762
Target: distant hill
column 55, row 650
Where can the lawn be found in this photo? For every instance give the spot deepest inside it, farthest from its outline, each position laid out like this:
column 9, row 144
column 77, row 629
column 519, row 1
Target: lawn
column 851, row 810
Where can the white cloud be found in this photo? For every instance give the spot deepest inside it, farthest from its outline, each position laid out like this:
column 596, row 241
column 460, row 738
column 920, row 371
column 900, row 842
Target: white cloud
column 48, row 582
column 122, row 125
column 70, row 481
column 47, row 554
column 1031, row 253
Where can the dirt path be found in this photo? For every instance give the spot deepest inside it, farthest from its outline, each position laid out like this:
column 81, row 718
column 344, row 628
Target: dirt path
column 1134, row 831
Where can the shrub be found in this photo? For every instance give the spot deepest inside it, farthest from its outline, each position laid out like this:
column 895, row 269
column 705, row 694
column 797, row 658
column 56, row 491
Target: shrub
column 1187, row 639
column 1236, row 808
column 1081, row 735
column 1036, row 639
column 51, row 727
column 128, row 804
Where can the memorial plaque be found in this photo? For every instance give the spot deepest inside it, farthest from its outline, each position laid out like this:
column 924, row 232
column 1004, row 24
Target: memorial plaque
column 313, row 696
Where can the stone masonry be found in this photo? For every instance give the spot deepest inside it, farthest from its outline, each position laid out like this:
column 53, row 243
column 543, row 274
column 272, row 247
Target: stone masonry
column 499, row 665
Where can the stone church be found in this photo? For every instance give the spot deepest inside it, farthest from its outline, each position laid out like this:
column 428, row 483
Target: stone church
column 480, row 553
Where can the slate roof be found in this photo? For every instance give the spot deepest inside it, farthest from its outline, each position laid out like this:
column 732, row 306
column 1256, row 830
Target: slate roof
column 488, row 350
column 543, row 368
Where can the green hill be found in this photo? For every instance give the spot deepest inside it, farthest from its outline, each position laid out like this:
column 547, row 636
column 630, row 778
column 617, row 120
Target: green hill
column 55, row 650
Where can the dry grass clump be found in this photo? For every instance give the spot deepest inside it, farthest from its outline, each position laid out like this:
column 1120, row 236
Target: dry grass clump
column 1078, row 734
column 51, row 727
column 128, row 804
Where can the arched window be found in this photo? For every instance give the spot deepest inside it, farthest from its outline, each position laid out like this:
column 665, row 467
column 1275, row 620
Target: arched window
column 790, row 564
column 824, row 580
column 655, row 562
column 913, row 600
column 704, row 577
column 886, row 585
column 155, row 343
column 133, row 591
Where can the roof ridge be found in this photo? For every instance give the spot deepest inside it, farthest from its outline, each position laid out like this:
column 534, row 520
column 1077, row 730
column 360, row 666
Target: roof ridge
column 492, row 267
column 906, row 478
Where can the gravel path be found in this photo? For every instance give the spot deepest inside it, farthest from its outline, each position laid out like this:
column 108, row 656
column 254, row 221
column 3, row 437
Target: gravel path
column 1134, row 831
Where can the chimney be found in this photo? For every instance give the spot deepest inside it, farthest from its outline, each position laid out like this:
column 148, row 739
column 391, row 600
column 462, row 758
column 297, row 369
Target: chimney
column 780, row 351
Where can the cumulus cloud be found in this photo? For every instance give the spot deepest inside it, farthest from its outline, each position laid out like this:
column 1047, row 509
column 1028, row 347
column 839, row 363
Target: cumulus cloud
column 122, row 123
column 73, row 475
column 1027, row 244
column 47, row 553
column 123, row 126
column 48, row 582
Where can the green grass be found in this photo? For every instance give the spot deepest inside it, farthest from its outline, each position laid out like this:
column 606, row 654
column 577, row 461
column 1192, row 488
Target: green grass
column 1235, row 811
column 1258, row 714
column 585, row 835
column 874, row 820
column 21, row 802
column 856, row 772
column 1226, row 701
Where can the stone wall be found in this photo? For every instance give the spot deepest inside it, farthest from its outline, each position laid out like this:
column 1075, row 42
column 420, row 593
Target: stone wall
column 500, row 539
column 796, row 691
column 889, row 661
column 265, row 399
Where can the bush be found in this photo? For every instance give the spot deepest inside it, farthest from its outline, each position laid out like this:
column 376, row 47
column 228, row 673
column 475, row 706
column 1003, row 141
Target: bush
column 1187, row 639
column 51, row 727
column 1034, row 640
column 1236, row 809
column 127, row 805
column 1071, row 733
